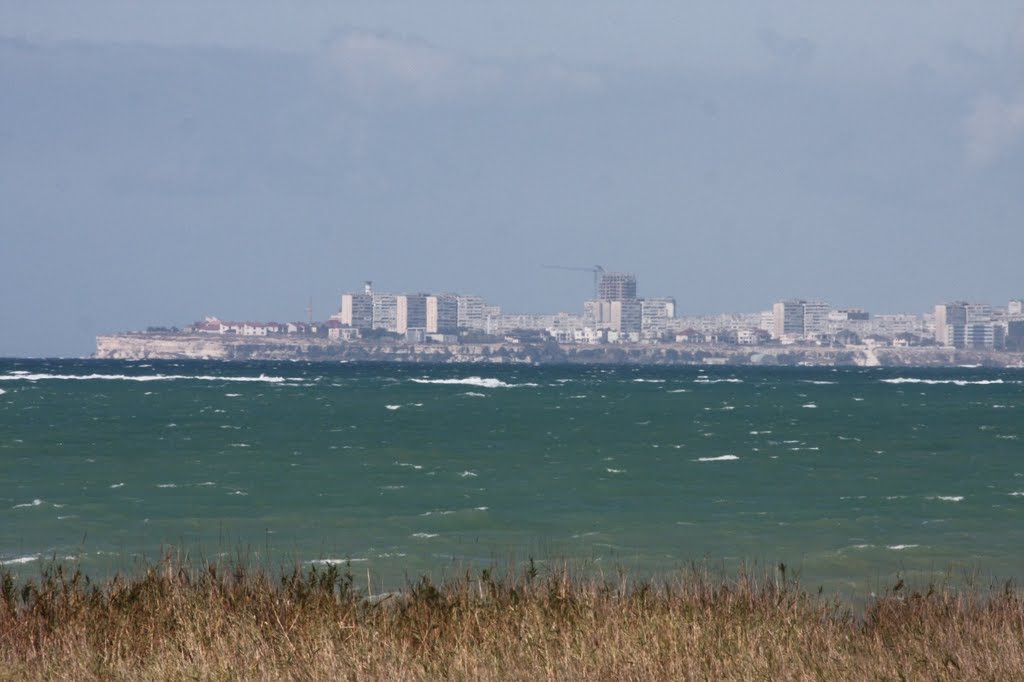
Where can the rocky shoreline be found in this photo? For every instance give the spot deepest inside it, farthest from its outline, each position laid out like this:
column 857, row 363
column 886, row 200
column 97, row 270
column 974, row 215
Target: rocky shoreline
column 171, row 346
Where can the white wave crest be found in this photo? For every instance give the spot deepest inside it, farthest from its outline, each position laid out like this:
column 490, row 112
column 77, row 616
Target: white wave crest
column 948, row 498
column 705, row 380
column 899, row 547
column 392, row 407
column 481, row 382
column 22, row 376
column 955, row 382
column 424, row 536
column 34, row 503
column 723, row 458
column 19, row 560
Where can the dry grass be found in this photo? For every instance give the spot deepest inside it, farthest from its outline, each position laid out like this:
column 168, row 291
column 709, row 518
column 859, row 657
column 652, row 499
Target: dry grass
column 175, row 622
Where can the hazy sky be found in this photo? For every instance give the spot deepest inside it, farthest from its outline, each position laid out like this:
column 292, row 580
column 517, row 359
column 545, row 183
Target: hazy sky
column 164, row 161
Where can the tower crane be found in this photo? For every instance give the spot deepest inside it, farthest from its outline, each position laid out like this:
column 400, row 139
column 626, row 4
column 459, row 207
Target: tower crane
column 596, row 269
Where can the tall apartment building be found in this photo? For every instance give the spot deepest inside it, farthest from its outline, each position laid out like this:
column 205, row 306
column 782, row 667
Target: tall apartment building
column 1015, row 307
column 442, row 314
column 967, row 325
column 357, row 308
column 978, row 313
column 492, row 319
column 627, row 316
column 385, row 312
column 410, row 312
column 597, row 314
column 979, row 335
column 788, row 319
column 815, row 317
column 947, row 317
column 798, row 318
column 655, row 314
column 616, row 286
column 471, row 312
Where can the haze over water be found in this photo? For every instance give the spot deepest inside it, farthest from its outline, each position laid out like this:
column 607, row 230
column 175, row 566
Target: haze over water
column 848, row 475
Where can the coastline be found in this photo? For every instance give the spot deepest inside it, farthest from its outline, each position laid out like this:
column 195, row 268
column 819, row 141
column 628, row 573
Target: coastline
column 170, row 346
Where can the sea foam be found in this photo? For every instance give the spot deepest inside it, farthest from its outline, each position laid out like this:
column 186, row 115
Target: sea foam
column 472, row 381
column 955, row 382
column 723, row 458
column 22, row 376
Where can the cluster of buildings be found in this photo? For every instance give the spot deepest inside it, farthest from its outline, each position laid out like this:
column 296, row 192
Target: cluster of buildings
column 979, row 325
column 617, row 315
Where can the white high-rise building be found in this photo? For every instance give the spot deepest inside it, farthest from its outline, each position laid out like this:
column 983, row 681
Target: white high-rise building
column 385, row 312
column 655, row 314
column 598, row 314
column 471, row 313
column 799, row 318
column 815, row 317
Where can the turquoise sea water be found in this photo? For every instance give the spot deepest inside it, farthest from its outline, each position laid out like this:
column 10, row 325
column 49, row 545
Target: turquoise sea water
column 848, row 475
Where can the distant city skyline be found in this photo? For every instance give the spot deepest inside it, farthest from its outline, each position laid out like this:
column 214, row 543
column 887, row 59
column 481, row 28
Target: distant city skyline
column 615, row 315
column 162, row 162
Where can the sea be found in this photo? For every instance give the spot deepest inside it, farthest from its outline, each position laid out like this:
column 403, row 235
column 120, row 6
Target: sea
column 851, row 477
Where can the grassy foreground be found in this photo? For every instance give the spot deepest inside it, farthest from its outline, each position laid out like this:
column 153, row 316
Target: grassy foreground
column 174, row 622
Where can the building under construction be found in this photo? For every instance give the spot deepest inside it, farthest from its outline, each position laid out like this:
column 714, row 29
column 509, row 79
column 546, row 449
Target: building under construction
column 616, row 286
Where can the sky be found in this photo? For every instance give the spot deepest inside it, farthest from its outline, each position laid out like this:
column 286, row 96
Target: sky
column 161, row 162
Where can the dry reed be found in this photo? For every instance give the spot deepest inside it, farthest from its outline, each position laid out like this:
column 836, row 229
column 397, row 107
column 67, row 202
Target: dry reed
column 232, row 622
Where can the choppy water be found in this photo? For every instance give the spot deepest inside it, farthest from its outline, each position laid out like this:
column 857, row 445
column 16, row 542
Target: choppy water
column 849, row 475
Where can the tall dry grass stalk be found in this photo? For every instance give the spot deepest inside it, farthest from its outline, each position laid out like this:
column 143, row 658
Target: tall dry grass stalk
column 232, row 622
